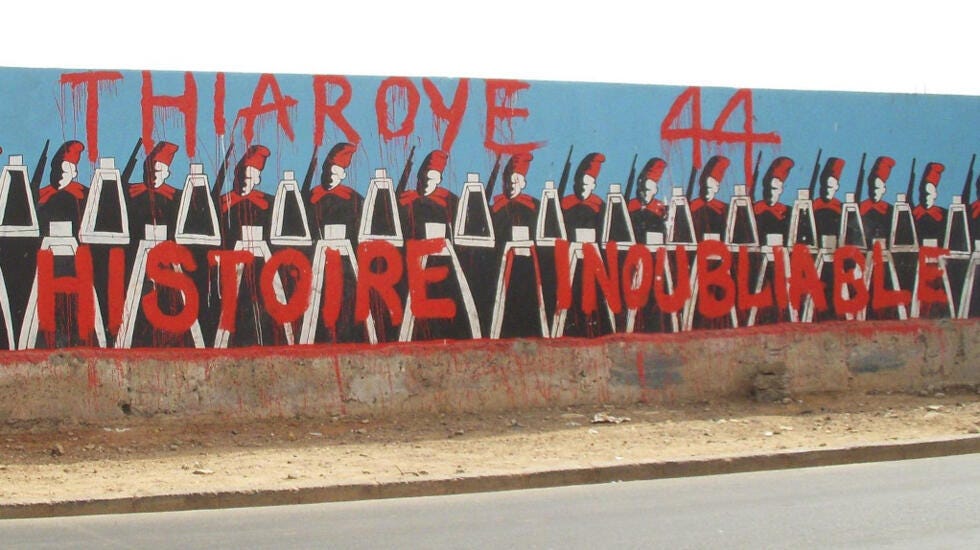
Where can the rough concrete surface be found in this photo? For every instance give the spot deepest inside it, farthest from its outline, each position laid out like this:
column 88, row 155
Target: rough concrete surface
column 488, row 375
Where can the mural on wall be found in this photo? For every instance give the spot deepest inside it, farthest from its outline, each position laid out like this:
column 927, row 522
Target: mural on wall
column 205, row 210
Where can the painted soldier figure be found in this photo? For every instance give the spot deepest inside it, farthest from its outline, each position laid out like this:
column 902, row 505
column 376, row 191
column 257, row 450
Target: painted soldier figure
column 245, row 205
column 930, row 219
column 707, row 212
column 332, row 202
column 154, row 202
column 827, row 208
column 63, row 200
column 772, row 216
column 428, row 202
column 583, row 207
column 876, row 212
column 647, row 214
column 514, row 207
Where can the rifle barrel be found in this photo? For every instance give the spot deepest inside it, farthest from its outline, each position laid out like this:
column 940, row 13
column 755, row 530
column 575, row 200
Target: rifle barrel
column 39, row 169
column 911, row 186
column 406, row 173
column 631, row 179
column 690, row 181
column 860, row 181
column 310, row 171
column 816, row 173
column 755, row 177
column 563, row 183
column 127, row 173
column 492, row 182
column 969, row 181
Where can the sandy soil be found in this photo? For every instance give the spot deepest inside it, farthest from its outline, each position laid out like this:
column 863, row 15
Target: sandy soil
column 42, row 462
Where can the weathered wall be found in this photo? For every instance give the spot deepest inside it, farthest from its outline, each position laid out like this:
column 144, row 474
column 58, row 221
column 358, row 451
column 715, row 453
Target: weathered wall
column 91, row 385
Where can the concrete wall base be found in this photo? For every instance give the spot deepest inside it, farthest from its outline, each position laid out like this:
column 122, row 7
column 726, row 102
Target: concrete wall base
column 766, row 363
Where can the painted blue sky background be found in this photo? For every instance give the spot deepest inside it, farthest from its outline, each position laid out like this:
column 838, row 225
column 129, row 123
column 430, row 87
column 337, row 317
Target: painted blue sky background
column 618, row 120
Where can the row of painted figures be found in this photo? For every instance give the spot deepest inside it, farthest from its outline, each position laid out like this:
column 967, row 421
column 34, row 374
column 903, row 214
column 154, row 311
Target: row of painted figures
column 499, row 253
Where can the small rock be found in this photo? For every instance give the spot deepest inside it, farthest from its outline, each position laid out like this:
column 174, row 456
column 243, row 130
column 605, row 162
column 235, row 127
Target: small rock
column 459, row 432
column 768, row 434
column 174, row 447
column 925, row 393
column 787, row 400
column 593, row 431
column 57, row 450
column 360, row 431
column 934, row 408
column 292, row 476
column 939, row 394
column 203, row 472
column 316, row 434
column 930, row 415
column 605, row 418
column 970, row 430
column 90, row 447
column 366, row 421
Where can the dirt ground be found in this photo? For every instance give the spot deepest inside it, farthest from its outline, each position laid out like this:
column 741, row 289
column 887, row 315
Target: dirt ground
column 43, row 462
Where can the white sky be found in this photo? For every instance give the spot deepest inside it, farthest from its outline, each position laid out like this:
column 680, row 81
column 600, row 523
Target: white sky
column 911, row 47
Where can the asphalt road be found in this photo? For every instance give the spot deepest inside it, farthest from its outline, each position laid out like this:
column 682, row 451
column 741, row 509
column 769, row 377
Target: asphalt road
column 930, row 503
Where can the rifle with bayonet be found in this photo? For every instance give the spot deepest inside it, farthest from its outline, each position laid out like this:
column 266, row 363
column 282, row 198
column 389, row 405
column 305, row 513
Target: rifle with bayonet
column 310, row 171
column 631, row 180
column 39, row 172
column 815, row 174
column 406, row 173
column 911, row 186
column 969, row 181
column 563, row 183
column 755, row 177
column 492, row 182
column 860, row 182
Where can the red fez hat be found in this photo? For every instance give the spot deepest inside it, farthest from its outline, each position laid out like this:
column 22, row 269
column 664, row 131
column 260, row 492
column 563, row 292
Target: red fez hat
column 716, row 167
column 163, row 152
column 519, row 163
column 256, row 157
column 781, row 167
column 932, row 173
column 436, row 160
column 591, row 163
column 834, row 167
column 882, row 168
column 653, row 169
column 72, row 151
column 341, row 154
